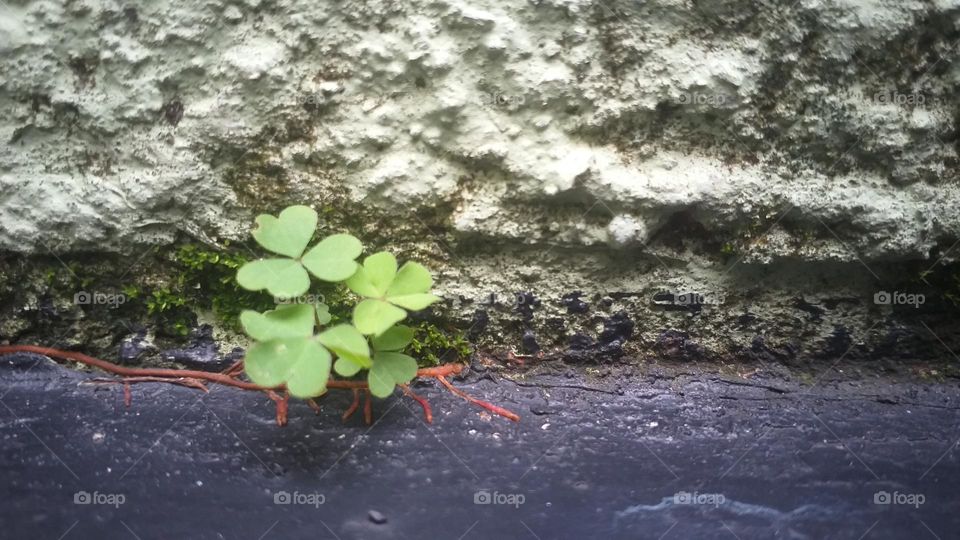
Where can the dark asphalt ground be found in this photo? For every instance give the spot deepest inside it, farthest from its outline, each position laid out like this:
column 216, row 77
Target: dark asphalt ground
column 693, row 456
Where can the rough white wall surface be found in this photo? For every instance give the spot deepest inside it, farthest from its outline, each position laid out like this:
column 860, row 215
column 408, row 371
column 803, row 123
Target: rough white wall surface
column 830, row 124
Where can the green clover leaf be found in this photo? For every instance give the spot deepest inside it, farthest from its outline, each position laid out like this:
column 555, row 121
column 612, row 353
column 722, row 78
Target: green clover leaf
column 287, row 352
column 332, row 259
column 288, row 321
column 389, row 293
column 302, row 364
column 280, row 277
column 351, row 348
column 323, row 314
column 288, row 233
column 394, row 339
column 373, row 317
column 390, row 369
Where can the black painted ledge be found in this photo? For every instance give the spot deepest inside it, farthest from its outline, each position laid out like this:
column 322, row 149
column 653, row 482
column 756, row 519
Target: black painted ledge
column 699, row 455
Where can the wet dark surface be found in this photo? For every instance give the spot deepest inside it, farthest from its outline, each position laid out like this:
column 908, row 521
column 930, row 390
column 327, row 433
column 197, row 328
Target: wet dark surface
column 756, row 459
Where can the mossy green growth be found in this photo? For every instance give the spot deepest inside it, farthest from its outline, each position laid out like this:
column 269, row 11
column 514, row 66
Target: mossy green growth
column 200, row 278
column 165, row 306
column 205, row 280
column 943, row 277
column 163, row 300
column 434, row 346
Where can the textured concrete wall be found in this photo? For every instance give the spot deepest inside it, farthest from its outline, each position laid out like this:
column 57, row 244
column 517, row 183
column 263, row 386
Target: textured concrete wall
column 602, row 146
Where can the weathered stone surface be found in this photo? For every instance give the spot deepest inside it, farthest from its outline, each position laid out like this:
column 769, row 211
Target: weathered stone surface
column 604, row 147
column 124, row 120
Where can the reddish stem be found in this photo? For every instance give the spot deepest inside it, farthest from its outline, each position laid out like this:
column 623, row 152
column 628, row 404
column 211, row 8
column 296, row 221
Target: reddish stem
column 488, row 406
column 194, row 378
column 423, row 402
column 188, row 382
column 368, row 408
column 282, row 404
column 131, row 372
column 353, row 406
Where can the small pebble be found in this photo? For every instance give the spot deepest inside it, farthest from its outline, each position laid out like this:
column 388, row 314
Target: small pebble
column 377, row 517
column 540, row 409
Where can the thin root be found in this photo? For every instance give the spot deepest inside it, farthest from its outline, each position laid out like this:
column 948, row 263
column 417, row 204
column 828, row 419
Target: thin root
column 479, row 402
column 368, row 408
column 353, row 406
column 423, row 402
column 230, row 377
column 282, row 404
column 189, row 382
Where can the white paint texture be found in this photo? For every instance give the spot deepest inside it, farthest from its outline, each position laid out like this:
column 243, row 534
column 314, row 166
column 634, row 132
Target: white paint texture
column 555, row 122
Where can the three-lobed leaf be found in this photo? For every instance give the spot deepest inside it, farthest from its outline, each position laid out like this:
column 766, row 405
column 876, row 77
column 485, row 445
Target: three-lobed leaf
column 388, row 292
column 332, row 259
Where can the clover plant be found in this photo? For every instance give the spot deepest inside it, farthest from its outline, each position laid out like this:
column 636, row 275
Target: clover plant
column 293, row 345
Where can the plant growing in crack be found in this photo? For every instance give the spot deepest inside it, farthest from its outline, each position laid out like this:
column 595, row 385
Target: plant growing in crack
column 295, row 352
column 293, row 346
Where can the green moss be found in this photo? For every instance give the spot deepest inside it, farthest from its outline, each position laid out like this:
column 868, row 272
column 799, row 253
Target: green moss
column 198, row 278
column 162, row 300
column 945, row 279
column 433, row 346
column 205, row 279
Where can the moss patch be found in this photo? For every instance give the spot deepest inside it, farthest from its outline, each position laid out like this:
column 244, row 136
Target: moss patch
column 432, row 346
